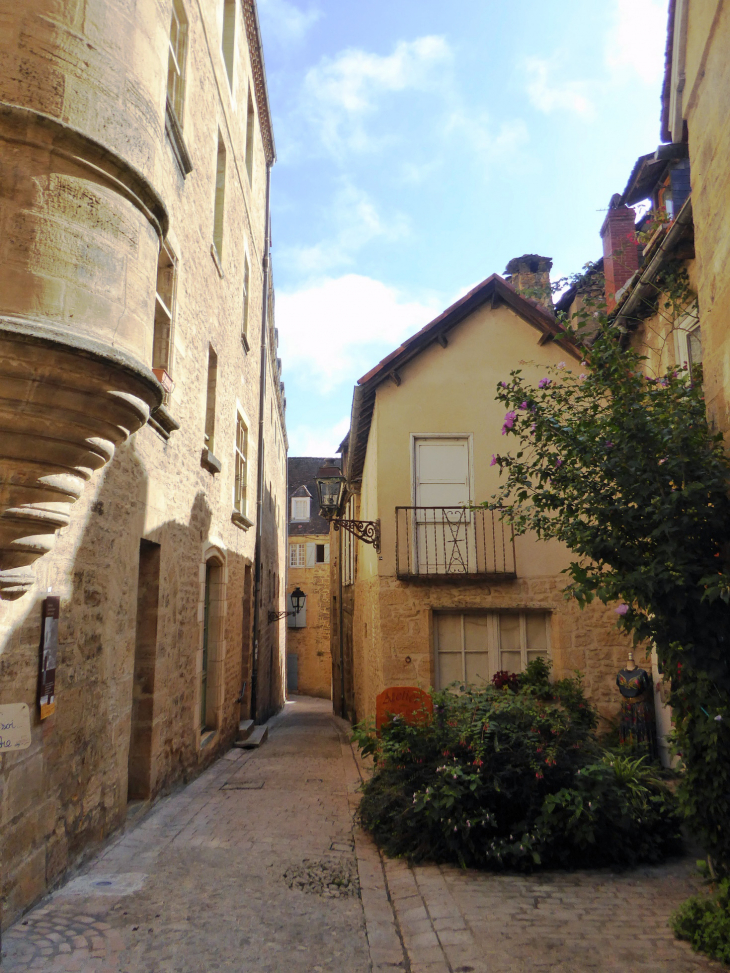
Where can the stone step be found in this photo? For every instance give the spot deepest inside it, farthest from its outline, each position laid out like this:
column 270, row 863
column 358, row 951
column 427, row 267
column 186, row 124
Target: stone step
column 245, row 728
column 257, row 736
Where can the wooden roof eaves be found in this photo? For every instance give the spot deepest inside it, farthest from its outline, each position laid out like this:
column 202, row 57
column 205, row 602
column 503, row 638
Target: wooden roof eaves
column 363, row 400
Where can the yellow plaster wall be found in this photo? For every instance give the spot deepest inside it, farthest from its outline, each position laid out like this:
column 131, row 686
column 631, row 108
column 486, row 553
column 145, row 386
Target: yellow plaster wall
column 708, row 123
column 452, row 390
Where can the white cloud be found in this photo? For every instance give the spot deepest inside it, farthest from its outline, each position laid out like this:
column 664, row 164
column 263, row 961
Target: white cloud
column 636, row 40
column 335, row 330
column 308, row 441
column 549, row 94
column 339, row 92
column 478, row 131
column 285, row 22
column 356, row 222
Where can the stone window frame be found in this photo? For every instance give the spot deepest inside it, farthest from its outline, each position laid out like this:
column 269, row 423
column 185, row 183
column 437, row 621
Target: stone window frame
column 177, row 60
column 215, row 554
column 494, row 635
column 164, row 321
column 240, row 465
column 300, row 560
column 228, row 39
column 684, row 330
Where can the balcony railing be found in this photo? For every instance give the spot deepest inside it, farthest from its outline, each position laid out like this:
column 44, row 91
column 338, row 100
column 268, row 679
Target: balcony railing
column 453, row 543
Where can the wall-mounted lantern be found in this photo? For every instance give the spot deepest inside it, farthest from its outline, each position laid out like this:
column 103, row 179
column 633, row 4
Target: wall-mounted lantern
column 331, row 489
column 298, row 598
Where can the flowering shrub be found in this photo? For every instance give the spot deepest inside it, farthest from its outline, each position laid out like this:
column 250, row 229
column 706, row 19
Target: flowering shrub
column 505, row 779
column 623, row 468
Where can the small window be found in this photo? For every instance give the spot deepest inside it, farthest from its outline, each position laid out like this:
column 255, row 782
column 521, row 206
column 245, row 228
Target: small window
column 164, row 306
column 297, row 555
column 688, row 341
column 246, row 297
column 250, row 126
column 471, row 647
column 320, row 553
column 220, row 197
column 300, row 508
column 210, row 398
column 228, row 40
column 241, row 458
column 178, row 49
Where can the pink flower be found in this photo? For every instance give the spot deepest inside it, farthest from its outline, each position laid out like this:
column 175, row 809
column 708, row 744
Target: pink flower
column 503, row 385
column 543, row 383
column 609, row 445
column 582, row 376
column 584, row 363
column 561, row 364
column 509, row 421
column 621, row 610
column 533, row 427
column 558, row 462
column 494, row 460
column 523, row 405
column 662, row 461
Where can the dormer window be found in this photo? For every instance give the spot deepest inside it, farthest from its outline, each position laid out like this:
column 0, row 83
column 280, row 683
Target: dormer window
column 300, row 508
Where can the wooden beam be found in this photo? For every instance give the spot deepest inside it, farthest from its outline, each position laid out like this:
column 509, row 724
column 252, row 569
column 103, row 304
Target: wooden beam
column 395, row 377
column 442, row 340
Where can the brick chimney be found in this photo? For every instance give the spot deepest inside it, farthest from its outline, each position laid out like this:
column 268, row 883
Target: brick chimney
column 530, row 277
column 620, row 253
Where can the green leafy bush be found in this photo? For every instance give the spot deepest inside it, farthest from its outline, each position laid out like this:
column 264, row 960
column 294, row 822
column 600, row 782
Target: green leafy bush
column 705, row 922
column 499, row 778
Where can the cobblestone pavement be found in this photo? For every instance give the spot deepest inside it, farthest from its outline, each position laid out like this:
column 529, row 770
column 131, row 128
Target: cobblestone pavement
column 202, row 883
column 256, row 868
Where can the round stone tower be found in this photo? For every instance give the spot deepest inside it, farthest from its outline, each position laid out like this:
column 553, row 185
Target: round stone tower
column 81, row 127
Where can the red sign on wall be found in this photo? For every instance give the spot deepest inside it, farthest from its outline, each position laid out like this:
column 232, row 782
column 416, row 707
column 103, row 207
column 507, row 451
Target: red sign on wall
column 413, row 704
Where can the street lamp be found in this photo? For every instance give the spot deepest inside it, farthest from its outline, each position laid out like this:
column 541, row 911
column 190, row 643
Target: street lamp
column 331, row 489
column 297, row 599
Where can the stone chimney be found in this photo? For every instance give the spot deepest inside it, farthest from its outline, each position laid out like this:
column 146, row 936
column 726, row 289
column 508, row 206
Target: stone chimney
column 530, row 277
column 620, row 253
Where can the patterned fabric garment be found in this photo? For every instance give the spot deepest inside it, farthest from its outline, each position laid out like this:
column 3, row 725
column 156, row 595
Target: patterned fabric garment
column 632, row 682
column 637, row 728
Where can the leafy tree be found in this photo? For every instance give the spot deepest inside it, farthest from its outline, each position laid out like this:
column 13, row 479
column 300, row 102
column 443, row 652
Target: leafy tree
column 623, row 468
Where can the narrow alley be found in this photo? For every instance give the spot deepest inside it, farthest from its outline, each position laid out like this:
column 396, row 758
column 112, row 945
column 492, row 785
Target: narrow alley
column 255, row 867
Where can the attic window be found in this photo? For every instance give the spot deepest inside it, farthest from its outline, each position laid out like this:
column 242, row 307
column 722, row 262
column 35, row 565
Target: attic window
column 300, row 508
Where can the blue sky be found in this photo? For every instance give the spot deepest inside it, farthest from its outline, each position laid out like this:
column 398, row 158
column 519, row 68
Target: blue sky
column 421, row 146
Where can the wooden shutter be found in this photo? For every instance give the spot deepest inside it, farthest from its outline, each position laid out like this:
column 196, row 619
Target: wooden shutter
column 311, row 555
column 442, row 472
column 326, row 554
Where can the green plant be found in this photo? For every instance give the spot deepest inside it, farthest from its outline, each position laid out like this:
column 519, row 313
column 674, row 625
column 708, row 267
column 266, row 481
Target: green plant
column 705, row 922
column 623, row 468
column 499, row 778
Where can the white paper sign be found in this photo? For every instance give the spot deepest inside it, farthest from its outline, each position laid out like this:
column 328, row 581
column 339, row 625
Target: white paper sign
column 14, row 727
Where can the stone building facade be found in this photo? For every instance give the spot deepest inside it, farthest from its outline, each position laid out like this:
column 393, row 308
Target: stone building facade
column 142, row 425
column 309, row 663
column 450, row 596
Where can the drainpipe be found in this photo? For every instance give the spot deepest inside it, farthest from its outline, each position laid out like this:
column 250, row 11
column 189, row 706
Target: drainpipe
column 343, row 705
column 261, row 477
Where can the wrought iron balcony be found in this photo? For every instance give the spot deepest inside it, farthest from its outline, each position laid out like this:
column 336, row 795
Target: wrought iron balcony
column 453, row 543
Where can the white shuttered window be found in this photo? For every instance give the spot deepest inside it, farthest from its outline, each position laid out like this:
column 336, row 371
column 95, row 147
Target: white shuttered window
column 470, row 647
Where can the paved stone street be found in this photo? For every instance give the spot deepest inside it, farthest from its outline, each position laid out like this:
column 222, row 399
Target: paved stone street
column 255, row 868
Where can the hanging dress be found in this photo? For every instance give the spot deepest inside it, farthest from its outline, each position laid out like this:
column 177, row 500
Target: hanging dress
column 637, row 727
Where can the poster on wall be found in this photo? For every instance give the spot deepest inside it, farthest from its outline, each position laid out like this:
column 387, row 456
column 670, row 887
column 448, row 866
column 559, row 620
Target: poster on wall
column 14, row 727
column 49, row 652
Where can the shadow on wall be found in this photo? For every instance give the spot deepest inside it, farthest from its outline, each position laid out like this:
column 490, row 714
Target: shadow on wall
column 271, row 673
column 130, row 649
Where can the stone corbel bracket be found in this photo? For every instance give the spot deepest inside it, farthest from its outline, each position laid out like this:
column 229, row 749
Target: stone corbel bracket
column 66, row 402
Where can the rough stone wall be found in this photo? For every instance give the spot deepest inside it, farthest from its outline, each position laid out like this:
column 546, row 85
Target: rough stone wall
column 101, row 67
column 311, row 644
column 399, row 619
